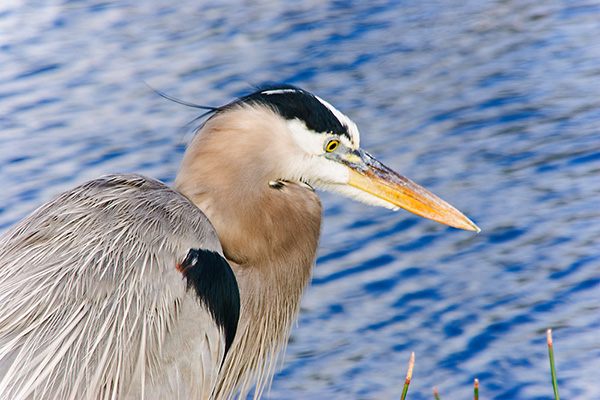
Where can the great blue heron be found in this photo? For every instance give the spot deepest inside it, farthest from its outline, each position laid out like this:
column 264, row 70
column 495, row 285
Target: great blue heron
column 126, row 288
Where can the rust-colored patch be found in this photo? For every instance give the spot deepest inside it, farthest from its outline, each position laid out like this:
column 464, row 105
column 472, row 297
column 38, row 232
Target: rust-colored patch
column 182, row 266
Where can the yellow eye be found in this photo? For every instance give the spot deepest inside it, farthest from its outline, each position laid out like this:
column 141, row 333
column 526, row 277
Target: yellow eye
column 332, row 145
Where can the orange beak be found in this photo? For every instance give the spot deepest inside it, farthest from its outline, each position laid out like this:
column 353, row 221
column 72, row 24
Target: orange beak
column 371, row 176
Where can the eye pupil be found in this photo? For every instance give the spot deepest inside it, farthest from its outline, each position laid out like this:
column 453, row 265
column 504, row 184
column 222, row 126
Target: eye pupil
column 332, row 145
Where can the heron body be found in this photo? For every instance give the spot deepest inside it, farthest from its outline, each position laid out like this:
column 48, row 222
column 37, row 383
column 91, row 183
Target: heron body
column 126, row 288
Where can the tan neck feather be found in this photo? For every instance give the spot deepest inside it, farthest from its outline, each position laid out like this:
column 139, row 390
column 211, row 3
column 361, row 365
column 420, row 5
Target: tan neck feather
column 269, row 235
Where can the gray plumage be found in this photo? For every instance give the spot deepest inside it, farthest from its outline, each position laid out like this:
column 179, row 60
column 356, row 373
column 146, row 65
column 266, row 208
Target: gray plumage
column 91, row 299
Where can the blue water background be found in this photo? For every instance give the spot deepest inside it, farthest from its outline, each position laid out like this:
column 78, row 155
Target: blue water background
column 493, row 105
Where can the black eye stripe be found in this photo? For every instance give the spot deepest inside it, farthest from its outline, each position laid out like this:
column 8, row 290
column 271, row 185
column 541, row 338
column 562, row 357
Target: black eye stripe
column 294, row 103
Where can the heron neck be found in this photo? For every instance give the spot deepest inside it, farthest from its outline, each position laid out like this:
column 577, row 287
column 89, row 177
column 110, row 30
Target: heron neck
column 269, row 235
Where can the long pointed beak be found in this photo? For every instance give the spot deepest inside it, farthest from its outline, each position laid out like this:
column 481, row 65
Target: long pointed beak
column 371, row 176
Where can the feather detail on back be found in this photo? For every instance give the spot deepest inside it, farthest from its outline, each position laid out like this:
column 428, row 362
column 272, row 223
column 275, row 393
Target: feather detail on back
column 93, row 306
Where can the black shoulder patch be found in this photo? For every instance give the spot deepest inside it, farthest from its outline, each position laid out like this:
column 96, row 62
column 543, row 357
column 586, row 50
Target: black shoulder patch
column 294, row 103
column 212, row 277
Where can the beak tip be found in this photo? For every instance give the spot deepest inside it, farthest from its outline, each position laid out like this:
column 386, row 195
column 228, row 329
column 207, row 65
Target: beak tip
column 466, row 224
column 471, row 226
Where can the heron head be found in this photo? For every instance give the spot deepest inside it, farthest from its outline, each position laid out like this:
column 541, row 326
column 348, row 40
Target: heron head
column 327, row 156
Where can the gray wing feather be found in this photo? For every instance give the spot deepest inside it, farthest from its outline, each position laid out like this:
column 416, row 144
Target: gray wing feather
column 92, row 305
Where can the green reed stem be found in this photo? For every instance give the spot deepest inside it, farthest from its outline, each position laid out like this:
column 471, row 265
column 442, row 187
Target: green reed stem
column 552, row 368
column 411, row 365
